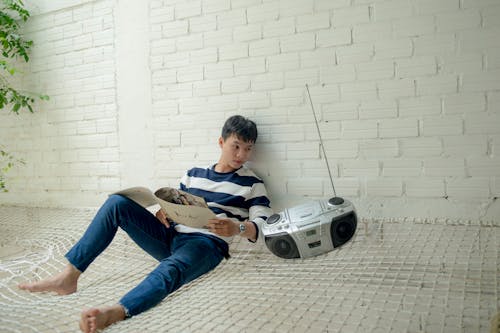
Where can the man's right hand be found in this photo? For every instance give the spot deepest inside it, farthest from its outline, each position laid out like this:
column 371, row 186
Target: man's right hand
column 162, row 216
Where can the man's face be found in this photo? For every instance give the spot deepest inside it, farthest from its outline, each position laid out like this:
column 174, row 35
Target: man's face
column 235, row 152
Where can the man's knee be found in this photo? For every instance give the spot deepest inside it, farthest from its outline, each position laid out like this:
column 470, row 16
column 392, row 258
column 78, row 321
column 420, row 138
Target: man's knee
column 169, row 274
column 117, row 199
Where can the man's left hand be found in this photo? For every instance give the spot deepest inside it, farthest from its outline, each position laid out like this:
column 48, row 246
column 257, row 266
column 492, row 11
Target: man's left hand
column 223, row 227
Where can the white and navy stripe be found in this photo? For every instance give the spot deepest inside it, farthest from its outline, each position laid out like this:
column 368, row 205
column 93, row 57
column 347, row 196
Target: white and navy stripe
column 238, row 195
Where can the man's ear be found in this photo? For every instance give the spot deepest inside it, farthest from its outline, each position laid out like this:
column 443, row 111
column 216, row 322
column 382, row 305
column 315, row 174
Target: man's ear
column 221, row 141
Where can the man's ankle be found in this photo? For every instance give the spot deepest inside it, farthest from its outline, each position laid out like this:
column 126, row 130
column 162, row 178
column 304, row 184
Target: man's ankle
column 72, row 271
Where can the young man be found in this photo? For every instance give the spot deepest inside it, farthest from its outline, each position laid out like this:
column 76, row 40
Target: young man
column 236, row 195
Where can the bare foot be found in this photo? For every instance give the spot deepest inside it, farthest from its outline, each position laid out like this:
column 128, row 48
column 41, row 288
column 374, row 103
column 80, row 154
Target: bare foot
column 95, row 319
column 63, row 283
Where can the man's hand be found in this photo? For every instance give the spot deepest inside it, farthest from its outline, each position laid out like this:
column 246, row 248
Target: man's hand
column 162, row 216
column 223, row 227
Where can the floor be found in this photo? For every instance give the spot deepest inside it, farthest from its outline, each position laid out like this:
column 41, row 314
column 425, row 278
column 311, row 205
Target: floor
column 394, row 276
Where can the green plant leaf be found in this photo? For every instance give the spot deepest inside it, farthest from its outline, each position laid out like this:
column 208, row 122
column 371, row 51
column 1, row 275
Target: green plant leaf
column 13, row 46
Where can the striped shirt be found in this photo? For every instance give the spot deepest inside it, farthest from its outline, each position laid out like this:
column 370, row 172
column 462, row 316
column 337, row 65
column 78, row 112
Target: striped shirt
column 238, row 195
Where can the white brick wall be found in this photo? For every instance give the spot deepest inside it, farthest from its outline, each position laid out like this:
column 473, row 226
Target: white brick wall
column 425, row 188
column 73, row 154
column 406, row 91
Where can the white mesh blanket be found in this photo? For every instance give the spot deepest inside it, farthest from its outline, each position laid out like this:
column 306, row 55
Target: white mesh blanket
column 395, row 276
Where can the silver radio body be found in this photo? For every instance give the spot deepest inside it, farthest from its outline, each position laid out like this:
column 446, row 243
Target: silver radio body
column 310, row 229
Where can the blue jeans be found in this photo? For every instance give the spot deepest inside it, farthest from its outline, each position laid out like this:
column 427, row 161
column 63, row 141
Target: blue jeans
column 182, row 257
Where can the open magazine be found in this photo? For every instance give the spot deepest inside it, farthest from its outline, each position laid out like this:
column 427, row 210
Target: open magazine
column 180, row 206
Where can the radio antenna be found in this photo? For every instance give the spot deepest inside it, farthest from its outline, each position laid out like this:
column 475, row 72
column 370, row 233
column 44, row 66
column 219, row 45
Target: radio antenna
column 321, row 140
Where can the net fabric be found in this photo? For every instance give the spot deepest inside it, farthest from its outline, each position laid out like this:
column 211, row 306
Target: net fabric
column 395, row 276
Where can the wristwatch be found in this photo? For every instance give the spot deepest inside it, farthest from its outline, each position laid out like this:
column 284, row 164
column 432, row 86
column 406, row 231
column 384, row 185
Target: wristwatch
column 243, row 227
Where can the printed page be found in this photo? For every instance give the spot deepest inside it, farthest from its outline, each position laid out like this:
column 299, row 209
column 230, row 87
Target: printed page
column 192, row 216
column 180, row 197
column 142, row 195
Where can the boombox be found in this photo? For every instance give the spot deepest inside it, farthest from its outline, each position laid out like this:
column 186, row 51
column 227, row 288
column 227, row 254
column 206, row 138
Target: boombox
column 310, row 229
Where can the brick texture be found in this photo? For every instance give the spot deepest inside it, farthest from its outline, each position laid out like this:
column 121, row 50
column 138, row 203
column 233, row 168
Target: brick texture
column 406, row 93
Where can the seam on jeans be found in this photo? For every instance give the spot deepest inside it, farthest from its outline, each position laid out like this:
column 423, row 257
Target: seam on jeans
column 127, row 312
column 69, row 262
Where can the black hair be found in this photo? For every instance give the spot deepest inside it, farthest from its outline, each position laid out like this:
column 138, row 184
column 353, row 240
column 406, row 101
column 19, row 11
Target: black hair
column 242, row 127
